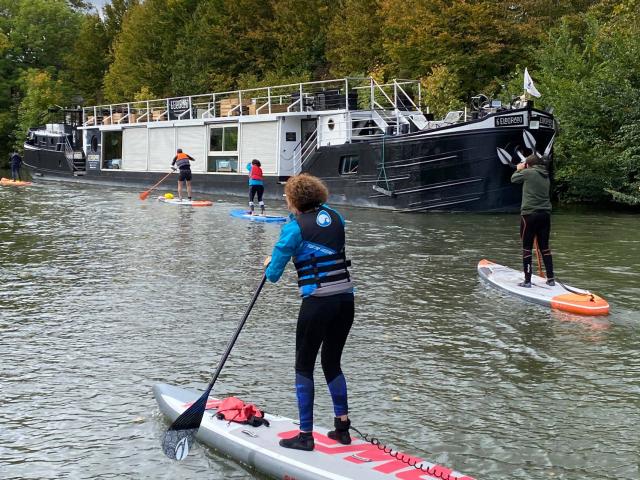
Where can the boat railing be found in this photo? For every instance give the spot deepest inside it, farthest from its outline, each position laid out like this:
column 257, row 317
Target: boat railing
column 350, row 94
column 69, row 153
column 305, row 151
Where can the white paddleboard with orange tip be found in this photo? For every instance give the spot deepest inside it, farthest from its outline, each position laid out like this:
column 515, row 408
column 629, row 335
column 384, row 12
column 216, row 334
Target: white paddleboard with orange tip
column 559, row 297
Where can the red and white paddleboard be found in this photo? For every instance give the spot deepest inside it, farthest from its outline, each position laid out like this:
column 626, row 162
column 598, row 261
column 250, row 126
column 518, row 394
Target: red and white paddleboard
column 258, row 447
column 506, row 279
column 186, row 202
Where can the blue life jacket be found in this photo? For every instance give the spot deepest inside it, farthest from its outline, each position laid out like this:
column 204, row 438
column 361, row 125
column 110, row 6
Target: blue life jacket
column 321, row 263
column 316, row 241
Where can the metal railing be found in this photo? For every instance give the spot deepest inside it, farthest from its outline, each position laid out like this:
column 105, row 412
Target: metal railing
column 351, row 93
column 305, row 151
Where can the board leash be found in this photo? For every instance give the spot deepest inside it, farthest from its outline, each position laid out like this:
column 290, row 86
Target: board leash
column 569, row 289
column 434, row 470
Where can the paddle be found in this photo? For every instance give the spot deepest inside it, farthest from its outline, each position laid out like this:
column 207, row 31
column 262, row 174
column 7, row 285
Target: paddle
column 179, row 437
column 144, row 195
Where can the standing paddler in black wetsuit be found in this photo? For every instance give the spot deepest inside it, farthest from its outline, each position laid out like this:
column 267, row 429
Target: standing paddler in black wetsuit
column 182, row 161
column 535, row 220
column 315, row 239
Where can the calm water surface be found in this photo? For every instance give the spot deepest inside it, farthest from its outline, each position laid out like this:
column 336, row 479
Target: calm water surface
column 103, row 295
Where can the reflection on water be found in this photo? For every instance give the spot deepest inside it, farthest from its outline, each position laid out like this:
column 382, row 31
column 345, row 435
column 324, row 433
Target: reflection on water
column 102, row 295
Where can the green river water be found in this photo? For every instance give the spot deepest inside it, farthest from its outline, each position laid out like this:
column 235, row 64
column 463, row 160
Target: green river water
column 103, row 295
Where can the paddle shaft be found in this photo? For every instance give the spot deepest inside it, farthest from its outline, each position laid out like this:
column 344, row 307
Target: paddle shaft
column 236, row 334
column 161, row 180
column 177, row 439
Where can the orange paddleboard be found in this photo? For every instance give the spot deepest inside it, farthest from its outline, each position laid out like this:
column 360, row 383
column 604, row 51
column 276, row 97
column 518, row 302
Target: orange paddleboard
column 15, row 183
column 558, row 297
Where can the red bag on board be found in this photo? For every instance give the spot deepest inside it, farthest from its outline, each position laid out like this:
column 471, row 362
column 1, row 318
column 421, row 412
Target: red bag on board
column 233, row 409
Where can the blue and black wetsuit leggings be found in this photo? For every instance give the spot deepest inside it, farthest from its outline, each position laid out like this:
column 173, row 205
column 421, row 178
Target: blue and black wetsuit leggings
column 322, row 322
column 532, row 226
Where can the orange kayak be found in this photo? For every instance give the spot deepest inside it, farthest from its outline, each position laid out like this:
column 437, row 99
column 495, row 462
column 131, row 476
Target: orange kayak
column 15, row 183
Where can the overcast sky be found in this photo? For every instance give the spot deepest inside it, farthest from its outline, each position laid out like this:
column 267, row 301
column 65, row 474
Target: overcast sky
column 99, row 3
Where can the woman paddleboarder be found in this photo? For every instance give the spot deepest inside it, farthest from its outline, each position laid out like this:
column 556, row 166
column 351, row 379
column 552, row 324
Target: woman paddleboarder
column 256, row 185
column 315, row 239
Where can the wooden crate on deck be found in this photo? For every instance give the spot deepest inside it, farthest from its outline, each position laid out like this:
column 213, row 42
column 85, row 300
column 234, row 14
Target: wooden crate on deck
column 228, row 104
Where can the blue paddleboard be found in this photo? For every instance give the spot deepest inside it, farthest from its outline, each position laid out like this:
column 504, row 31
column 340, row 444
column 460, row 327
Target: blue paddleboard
column 246, row 215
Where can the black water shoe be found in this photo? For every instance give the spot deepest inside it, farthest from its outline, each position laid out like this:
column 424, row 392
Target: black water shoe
column 302, row 441
column 551, row 282
column 525, row 284
column 341, row 433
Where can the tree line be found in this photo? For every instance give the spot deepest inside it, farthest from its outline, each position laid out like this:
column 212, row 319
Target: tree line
column 584, row 56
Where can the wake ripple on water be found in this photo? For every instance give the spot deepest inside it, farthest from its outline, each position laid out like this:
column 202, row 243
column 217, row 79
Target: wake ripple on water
column 102, row 295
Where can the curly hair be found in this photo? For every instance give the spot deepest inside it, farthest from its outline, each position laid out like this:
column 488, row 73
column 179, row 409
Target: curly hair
column 305, row 192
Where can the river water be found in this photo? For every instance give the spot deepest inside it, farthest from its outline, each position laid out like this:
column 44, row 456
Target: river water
column 103, row 295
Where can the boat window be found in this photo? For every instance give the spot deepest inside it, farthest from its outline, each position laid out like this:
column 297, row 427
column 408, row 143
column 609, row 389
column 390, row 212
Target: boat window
column 349, row 164
column 51, row 141
column 225, row 164
column 111, row 148
column 223, row 149
column 223, row 139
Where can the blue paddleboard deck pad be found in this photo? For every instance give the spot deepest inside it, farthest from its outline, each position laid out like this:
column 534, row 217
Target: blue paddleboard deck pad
column 258, row 447
column 246, row 215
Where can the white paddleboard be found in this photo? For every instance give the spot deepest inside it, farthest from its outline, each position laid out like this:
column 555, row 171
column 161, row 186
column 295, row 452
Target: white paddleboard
column 578, row 301
column 185, row 202
column 258, row 447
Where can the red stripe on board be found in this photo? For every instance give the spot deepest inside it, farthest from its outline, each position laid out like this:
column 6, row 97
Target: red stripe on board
column 371, row 452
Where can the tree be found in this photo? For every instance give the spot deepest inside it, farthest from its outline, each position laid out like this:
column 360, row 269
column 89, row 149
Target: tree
column 87, row 62
column 144, row 52
column 41, row 32
column 440, row 91
column 354, row 38
column 590, row 69
column 41, row 91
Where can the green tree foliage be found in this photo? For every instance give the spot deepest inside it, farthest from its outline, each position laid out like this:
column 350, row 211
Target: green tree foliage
column 224, row 40
column 144, row 52
column 440, row 91
column 34, row 35
column 87, row 60
column 590, row 70
column 41, row 91
column 354, row 39
column 42, row 31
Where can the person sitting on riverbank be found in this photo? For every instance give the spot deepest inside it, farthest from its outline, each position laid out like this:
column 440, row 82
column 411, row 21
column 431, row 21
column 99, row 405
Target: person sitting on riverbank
column 182, row 161
column 535, row 220
column 15, row 161
column 256, row 185
column 315, row 238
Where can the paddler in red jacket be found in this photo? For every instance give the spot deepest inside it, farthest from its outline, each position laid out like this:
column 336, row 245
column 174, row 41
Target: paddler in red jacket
column 256, row 185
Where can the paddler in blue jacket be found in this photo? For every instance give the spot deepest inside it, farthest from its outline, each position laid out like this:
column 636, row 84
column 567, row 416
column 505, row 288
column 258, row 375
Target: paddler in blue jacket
column 315, row 239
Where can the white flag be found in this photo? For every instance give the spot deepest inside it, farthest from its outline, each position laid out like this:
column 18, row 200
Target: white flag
column 528, row 84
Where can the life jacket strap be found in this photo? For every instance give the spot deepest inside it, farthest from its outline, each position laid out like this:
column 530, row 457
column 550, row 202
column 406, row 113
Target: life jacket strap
column 320, row 281
column 324, row 258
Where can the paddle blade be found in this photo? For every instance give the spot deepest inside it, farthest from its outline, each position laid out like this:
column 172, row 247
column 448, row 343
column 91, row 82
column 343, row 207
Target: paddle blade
column 179, row 437
column 144, row 195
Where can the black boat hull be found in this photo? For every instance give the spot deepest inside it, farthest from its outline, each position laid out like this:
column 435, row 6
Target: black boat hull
column 419, row 172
